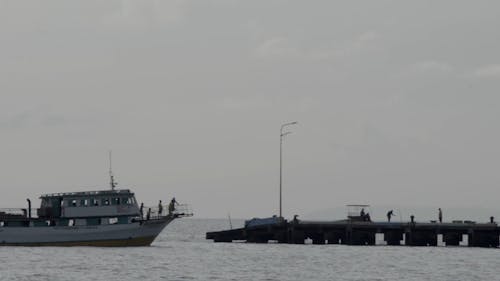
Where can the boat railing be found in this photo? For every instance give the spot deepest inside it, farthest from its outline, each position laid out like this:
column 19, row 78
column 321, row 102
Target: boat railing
column 85, row 193
column 16, row 213
column 181, row 210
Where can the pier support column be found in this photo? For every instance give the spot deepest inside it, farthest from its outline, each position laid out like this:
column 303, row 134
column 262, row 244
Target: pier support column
column 281, row 237
column 361, row 237
column 452, row 238
column 393, row 237
column 318, row 238
column 487, row 239
column 421, row 238
column 297, row 237
column 335, row 237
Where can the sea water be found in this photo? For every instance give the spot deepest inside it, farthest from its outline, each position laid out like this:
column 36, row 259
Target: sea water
column 182, row 253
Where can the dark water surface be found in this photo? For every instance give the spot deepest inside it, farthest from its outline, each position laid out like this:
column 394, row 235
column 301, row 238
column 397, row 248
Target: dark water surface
column 182, row 253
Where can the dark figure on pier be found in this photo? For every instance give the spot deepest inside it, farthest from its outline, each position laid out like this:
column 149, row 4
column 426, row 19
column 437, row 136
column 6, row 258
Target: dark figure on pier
column 440, row 215
column 389, row 215
column 362, row 213
column 148, row 216
column 160, row 208
column 141, row 210
column 171, row 206
column 367, row 217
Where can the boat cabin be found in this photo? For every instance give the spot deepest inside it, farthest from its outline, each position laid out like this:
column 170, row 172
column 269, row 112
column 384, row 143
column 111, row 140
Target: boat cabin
column 89, row 204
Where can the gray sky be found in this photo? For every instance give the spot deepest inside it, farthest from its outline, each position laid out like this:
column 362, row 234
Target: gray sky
column 398, row 102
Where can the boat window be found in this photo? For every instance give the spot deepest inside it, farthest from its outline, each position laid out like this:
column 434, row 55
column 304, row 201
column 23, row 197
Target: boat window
column 113, row 220
column 71, row 222
column 115, row 201
column 2, row 224
column 84, row 202
column 73, row 203
column 95, row 202
column 105, row 201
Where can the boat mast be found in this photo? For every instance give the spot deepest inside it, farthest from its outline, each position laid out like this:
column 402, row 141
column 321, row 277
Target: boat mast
column 111, row 177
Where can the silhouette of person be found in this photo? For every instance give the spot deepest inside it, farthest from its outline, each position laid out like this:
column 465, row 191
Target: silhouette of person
column 171, row 206
column 389, row 215
column 367, row 217
column 160, row 208
column 440, row 215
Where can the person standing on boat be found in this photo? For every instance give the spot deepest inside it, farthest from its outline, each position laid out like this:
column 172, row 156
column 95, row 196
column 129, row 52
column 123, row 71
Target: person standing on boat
column 160, row 208
column 440, row 215
column 141, row 210
column 148, row 216
column 171, row 206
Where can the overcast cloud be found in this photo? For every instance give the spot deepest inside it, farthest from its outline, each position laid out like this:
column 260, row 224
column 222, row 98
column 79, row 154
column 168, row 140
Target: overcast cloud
column 398, row 102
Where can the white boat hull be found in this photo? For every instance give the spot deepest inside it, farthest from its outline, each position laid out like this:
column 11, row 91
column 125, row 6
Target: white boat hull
column 132, row 234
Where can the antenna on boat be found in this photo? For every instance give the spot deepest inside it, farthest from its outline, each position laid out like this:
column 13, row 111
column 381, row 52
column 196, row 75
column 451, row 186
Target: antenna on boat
column 111, row 177
column 230, row 223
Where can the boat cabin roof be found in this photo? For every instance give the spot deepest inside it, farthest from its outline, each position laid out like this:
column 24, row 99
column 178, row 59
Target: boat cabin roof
column 88, row 193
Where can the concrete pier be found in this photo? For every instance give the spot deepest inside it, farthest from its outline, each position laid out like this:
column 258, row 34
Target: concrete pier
column 349, row 232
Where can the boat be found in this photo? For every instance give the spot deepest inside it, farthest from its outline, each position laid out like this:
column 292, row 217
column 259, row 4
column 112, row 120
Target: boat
column 109, row 217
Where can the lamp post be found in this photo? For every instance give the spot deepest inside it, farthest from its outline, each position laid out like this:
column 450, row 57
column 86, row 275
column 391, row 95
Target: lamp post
column 282, row 135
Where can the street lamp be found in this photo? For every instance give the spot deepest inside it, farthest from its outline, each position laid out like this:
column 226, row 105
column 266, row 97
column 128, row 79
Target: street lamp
column 282, row 135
